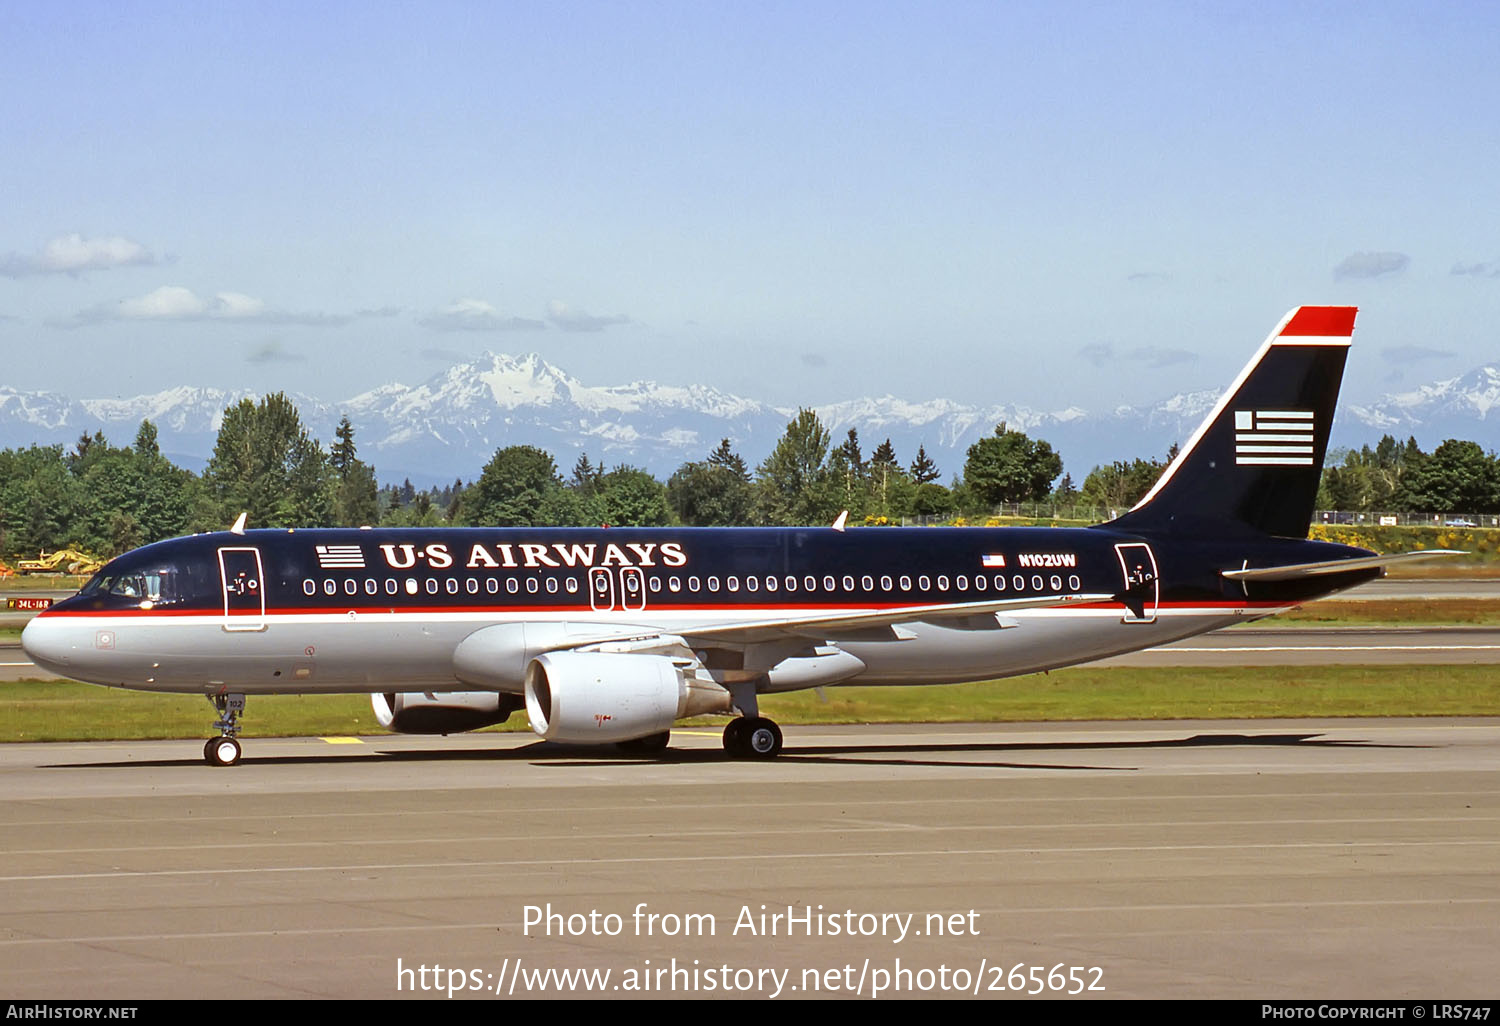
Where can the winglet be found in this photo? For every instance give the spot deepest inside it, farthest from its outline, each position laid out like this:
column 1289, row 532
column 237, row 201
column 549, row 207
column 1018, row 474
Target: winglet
column 838, row 525
column 239, row 524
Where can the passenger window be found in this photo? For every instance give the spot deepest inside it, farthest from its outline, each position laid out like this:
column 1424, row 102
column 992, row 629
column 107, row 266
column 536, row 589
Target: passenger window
column 512, row 585
column 713, row 583
column 961, row 582
column 1019, row 582
column 999, row 582
column 752, row 583
column 942, row 582
column 491, row 585
column 309, row 588
column 732, row 583
column 791, row 583
column 1036, row 582
column 1074, row 583
column 810, row 583
column 692, row 584
column 411, row 585
column 674, row 584
column 432, row 586
column 885, row 582
column 924, row 583
column 371, row 587
column 472, row 586
column 531, row 585
column 1056, row 583
column 905, row 582
column 770, row 582
column 552, row 585
column 330, row 588
column 452, row 586
column 390, row 586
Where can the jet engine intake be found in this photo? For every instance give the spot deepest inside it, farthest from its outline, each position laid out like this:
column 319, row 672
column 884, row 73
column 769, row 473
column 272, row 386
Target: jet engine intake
column 597, row 697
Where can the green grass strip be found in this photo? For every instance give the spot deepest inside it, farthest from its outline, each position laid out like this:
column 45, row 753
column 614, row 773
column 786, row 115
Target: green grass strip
column 65, row 711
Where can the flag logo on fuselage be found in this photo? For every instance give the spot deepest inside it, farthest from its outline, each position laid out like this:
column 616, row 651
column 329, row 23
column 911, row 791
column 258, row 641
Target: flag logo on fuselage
column 1274, row 438
column 340, row 557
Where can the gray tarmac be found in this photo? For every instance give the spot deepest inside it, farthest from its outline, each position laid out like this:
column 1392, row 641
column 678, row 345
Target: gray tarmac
column 1255, row 859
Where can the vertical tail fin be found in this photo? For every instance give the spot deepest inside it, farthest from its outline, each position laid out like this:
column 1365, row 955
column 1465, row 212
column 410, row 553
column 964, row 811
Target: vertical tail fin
column 1257, row 459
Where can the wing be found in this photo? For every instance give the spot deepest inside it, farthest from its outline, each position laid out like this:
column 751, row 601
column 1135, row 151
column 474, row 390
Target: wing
column 872, row 625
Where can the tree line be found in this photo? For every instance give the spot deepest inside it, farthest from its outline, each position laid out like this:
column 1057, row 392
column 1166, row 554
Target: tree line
column 107, row 499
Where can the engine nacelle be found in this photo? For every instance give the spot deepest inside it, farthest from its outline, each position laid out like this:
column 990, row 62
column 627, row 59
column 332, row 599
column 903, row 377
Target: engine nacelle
column 452, row 712
column 596, row 697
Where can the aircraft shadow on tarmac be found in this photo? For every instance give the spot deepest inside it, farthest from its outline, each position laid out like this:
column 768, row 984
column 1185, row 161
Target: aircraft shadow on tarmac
column 563, row 756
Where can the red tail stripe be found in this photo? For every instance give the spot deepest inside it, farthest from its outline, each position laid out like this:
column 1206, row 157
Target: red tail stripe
column 1329, row 321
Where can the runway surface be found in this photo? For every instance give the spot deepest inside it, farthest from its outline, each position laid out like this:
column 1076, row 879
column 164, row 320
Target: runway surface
column 1195, row 859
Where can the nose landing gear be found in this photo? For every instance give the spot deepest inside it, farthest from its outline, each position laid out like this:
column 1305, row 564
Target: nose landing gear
column 224, row 750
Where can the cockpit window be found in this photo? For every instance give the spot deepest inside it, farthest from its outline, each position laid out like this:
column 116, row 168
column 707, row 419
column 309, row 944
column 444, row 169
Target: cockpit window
column 135, row 582
column 159, row 586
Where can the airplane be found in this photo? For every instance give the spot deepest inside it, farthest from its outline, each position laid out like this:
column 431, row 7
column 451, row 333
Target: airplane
column 610, row 635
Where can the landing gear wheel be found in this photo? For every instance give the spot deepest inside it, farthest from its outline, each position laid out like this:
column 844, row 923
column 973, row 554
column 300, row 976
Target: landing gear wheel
column 648, row 745
column 752, row 737
column 734, row 732
column 761, row 739
column 222, row 751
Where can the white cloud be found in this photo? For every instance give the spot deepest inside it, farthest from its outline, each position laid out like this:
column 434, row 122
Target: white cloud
column 568, row 319
column 1371, row 265
column 178, row 303
column 476, row 315
column 74, row 254
column 170, row 302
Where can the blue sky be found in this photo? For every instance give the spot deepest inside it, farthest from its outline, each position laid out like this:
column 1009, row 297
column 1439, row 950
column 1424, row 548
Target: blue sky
column 1045, row 204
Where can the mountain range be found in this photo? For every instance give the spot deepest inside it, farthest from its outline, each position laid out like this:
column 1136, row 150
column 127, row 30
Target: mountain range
column 449, row 426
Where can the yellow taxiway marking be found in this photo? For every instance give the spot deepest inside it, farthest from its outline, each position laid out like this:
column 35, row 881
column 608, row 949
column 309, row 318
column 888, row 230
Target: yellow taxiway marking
column 342, row 740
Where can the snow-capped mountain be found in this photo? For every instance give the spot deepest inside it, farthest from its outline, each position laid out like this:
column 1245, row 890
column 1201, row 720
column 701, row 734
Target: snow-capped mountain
column 1467, row 406
column 450, row 425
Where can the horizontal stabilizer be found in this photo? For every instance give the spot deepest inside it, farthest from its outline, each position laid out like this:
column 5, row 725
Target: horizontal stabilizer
column 1333, row 566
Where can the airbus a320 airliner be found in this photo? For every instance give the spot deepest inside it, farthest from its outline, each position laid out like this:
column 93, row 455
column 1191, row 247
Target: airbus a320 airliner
column 611, row 635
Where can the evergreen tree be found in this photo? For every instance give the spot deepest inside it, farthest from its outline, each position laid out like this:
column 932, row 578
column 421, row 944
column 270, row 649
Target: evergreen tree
column 794, row 483
column 355, row 502
column 923, row 469
column 724, row 456
column 265, row 464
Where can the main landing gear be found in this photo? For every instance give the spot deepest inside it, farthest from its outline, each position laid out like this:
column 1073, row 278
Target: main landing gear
column 224, row 750
column 752, row 737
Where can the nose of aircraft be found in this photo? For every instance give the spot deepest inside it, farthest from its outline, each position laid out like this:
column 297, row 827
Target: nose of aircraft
column 45, row 642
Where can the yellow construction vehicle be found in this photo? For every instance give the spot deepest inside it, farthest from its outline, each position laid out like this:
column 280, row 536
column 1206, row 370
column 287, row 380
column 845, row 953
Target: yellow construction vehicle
column 63, row 561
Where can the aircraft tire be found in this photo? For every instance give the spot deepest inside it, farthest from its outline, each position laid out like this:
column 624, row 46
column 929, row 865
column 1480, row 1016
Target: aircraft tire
column 734, row 737
column 760, row 739
column 222, row 751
